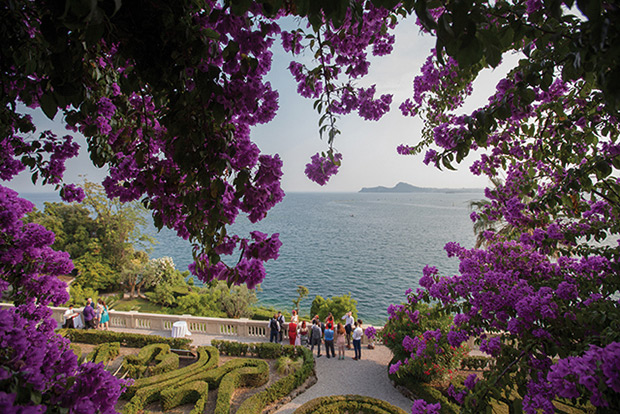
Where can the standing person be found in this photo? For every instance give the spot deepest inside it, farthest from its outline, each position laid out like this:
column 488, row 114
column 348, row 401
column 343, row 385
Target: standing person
column 295, row 317
column 315, row 338
column 348, row 327
column 89, row 315
column 274, row 328
column 329, row 340
column 329, row 321
column 105, row 316
column 98, row 312
column 357, row 340
column 292, row 332
column 68, row 316
column 281, row 322
column 340, row 340
column 303, row 333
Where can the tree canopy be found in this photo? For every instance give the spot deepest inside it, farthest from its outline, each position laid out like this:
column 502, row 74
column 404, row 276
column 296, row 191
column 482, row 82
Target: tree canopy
column 166, row 94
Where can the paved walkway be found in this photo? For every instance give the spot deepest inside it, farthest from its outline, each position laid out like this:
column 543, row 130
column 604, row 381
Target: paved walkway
column 367, row 376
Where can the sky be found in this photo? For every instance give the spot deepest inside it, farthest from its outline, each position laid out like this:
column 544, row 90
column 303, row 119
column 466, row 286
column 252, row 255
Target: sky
column 368, row 147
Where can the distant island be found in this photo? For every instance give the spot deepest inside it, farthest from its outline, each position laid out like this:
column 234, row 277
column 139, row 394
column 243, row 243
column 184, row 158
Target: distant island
column 408, row 188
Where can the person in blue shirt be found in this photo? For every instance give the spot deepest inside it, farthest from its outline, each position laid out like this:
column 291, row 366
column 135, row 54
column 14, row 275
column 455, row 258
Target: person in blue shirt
column 329, row 340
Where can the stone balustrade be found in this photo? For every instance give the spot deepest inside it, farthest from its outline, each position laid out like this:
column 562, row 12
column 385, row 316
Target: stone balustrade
column 234, row 328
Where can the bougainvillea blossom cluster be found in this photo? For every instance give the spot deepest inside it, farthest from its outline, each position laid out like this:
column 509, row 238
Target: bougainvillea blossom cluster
column 530, row 296
column 34, row 358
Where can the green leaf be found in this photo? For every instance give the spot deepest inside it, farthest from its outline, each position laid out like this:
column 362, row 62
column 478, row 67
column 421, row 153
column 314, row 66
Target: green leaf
column 48, row 104
column 211, row 34
column 517, row 406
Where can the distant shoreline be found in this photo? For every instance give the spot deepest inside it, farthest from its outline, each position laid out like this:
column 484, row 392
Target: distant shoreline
column 408, row 188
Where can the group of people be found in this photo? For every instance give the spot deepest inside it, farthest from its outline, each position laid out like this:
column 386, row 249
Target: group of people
column 95, row 317
column 312, row 334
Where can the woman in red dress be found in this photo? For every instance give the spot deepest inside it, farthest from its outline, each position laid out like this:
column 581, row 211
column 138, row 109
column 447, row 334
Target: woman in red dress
column 292, row 332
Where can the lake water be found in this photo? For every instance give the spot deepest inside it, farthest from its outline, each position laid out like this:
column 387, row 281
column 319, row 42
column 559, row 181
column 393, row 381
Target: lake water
column 371, row 245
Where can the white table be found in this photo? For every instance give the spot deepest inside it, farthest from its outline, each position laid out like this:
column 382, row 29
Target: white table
column 75, row 317
column 77, row 322
column 179, row 329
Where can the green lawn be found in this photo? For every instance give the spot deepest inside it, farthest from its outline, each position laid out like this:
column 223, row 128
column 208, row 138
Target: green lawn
column 140, row 305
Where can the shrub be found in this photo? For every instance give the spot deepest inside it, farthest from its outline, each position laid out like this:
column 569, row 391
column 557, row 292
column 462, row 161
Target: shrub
column 348, row 403
column 131, row 340
column 136, row 365
column 262, row 314
column 232, row 348
column 337, row 305
column 285, row 365
column 426, row 393
column 76, row 350
column 147, row 390
column 417, row 336
column 192, row 392
column 284, row 386
column 269, row 350
column 243, row 377
column 103, row 353
column 215, row 376
column 166, row 363
column 207, row 358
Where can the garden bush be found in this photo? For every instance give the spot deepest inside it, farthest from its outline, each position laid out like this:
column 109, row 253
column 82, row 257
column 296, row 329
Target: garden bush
column 284, row 386
column 417, row 336
column 103, row 353
column 207, row 358
column 165, row 363
column 232, row 348
column 338, row 404
column 136, row 365
column 146, row 354
column 131, row 340
column 192, row 392
column 286, row 365
column 214, row 376
column 425, row 392
column 76, row 350
column 243, row 377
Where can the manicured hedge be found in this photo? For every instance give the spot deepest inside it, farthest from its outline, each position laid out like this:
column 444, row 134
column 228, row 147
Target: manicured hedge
column 284, row 386
column 208, row 357
column 348, row 403
column 233, row 374
column 146, row 354
column 165, row 363
column 76, row 350
column 137, row 365
column 214, row 376
column 103, row 353
column 132, row 340
column 232, row 348
column 243, row 377
column 265, row 350
column 193, row 392
column 206, row 373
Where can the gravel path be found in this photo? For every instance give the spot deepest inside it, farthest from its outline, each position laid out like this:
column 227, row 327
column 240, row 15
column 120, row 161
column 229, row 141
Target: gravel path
column 367, row 376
